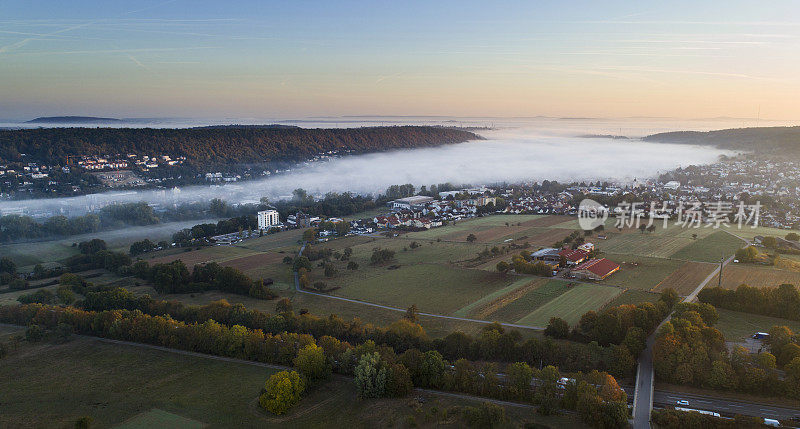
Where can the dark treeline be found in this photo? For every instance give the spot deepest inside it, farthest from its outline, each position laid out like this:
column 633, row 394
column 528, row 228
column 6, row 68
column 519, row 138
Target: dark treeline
column 782, row 301
column 689, row 350
column 596, row 396
column 20, row 227
column 493, row 344
column 175, row 277
column 205, row 147
column 783, row 140
column 628, row 325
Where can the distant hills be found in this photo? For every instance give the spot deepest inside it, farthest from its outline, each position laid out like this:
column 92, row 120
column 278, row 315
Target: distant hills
column 74, row 120
column 767, row 140
column 218, row 146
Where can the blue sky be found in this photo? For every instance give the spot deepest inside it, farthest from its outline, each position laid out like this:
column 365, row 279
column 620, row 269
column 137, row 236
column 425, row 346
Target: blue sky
column 467, row 58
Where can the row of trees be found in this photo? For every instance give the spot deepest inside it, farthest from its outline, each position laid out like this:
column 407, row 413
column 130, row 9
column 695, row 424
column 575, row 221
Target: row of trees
column 689, row 350
column 378, row 369
column 494, row 343
column 174, row 277
column 782, row 301
column 627, row 324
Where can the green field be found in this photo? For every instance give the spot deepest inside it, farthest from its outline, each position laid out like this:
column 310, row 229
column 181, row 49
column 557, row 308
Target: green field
column 432, row 288
column 738, row 326
column 572, row 304
column 536, row 298
column 640, row 272
column 52, row 385
column 518, row 283
column 632, row 297
column 661, row 243
column 718, row 245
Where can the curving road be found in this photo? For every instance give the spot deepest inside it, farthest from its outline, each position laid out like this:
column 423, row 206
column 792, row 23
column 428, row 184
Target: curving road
column 643, row 397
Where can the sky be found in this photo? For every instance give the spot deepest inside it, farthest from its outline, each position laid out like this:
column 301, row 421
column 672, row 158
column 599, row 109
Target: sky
column 291, row 59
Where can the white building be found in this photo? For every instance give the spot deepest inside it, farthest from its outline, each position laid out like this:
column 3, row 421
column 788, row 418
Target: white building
column 267, row 219
column 410, row 202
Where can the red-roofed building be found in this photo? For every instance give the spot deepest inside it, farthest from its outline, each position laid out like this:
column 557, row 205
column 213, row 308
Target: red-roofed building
column 595, row 269
column 575, row 256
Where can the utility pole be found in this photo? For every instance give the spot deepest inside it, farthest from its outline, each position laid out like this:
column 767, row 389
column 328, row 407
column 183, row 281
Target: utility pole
column 721, row 261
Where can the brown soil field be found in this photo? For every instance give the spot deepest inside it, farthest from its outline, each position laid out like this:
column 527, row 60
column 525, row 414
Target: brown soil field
column 753, row 275
column 686, row 278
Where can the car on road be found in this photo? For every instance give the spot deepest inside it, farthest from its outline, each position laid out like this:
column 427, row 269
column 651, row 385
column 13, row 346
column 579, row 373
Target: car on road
column 683, row 402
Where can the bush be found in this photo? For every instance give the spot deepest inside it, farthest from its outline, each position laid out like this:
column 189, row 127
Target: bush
column 487, row 415
column 34, row 333
column 557, row 328
column 281, row 392
column 380, row 256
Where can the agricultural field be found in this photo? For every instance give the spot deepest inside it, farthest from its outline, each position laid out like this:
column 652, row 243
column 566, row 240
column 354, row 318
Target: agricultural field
column 431, row 287
column 571, row 305
column 530, row 299
column 26, row 255
column 711, row 248
column 639, row 272
column 747, row 232
column 686, row 278
column 754, row 275
column 496, row 229
column 632, row 297
column 737, row 326
column 204, row 255
column 141, row 387
column 662, row 243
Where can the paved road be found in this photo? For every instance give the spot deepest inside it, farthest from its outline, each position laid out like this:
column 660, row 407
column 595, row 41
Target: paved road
column 643, row 398
column 724, row 406
column 386, row 307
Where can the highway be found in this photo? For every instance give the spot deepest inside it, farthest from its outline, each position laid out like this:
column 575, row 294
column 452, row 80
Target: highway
column 724, row 406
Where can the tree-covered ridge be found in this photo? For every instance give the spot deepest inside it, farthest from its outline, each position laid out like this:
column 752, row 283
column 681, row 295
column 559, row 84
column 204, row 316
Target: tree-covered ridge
column 217, row 145
column 785, row 140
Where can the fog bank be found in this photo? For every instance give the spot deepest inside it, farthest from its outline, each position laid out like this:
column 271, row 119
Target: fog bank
column 508, row 155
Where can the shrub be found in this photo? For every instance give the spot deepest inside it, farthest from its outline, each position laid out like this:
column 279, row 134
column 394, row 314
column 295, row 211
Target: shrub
column 281, row 392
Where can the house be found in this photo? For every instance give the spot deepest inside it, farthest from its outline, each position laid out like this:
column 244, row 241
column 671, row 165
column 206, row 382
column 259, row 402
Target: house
column 595, row 269
column 574, row 257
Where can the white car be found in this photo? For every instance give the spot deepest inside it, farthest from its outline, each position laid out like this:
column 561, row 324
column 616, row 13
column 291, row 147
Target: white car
column 683, row 402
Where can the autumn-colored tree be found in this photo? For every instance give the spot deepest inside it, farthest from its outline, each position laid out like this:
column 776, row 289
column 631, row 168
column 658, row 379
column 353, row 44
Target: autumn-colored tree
column 281, row 392
column 311, row 362
column 398, row 381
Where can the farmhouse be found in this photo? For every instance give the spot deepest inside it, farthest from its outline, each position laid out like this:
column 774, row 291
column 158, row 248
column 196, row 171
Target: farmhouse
column 575, row 256
column 595, row 269
column 548, row 255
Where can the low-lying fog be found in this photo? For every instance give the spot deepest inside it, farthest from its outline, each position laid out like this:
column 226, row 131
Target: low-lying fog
column 514, row 154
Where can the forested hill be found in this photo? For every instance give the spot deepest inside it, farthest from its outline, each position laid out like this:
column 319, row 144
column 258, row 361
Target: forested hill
column 780, row 140
column 217, row 145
